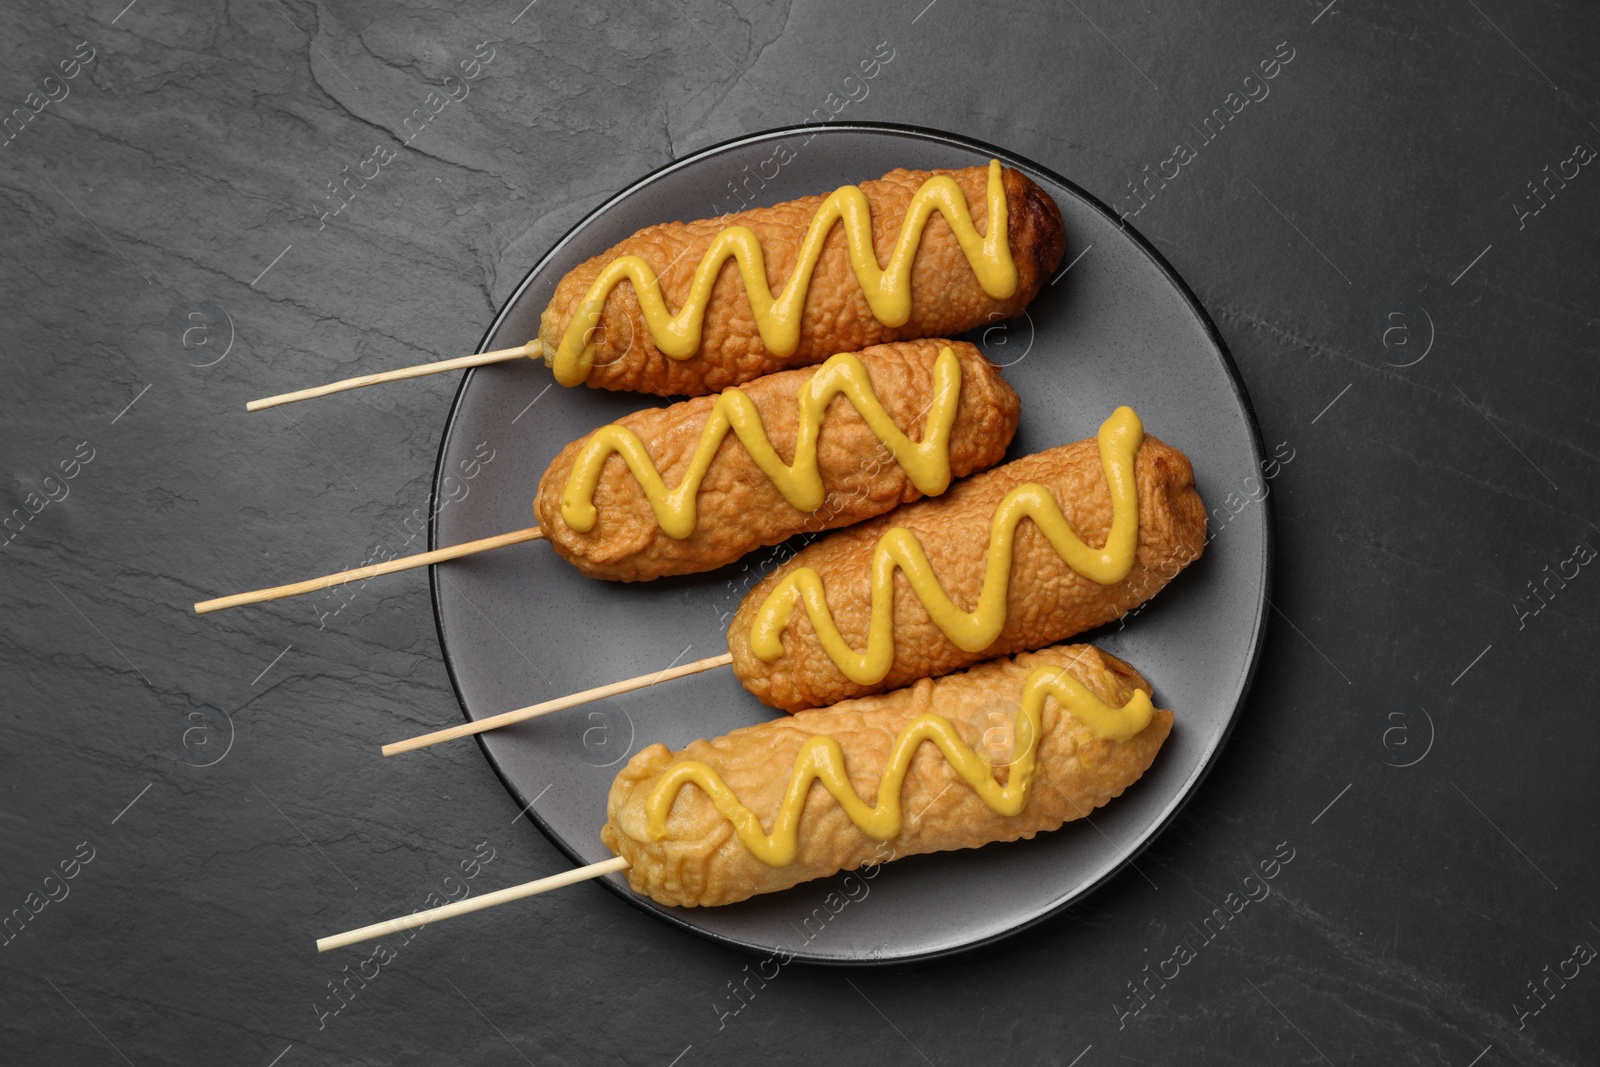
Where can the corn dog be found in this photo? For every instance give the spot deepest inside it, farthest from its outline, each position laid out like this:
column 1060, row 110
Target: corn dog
column 836, row 622
column 666, row 312
column 798, row 451
column 794, row 451
column 773, row 805
column 1003, row 751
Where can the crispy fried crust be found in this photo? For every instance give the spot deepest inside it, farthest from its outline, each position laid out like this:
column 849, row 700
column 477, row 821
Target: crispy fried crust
column 740, row 508
column 702, row 863
column 946, row 296
column 1047, row 602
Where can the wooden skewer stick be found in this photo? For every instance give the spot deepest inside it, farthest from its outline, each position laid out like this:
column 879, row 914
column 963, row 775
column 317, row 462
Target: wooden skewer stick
column 462, row 907
column 533, row 711
column 404, row 563
column 532, row 350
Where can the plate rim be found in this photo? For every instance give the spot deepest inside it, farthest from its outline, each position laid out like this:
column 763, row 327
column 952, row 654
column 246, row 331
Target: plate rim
column 1235, row 381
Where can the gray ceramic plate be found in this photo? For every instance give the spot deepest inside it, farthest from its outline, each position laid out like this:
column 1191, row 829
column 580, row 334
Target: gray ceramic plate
column 519, row 625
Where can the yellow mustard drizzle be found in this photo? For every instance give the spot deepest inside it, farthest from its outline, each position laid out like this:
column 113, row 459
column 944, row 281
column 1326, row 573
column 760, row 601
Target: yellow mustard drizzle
column 927, row 464
column 888, row 290
column 1119, row 439
column 822, row 759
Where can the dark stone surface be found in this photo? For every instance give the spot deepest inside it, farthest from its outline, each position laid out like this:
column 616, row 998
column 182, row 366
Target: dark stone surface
column 183, row 172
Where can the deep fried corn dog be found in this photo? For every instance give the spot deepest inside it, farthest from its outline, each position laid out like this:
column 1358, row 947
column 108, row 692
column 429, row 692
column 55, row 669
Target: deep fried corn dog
column 803, row 797
column 999, row 564
column 801, row 450
column 691, row 308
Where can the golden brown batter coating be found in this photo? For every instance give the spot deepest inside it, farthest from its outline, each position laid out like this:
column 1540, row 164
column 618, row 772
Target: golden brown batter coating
column 946, row 296
column 702, row 863
column 740, row 507
column 1047, row 601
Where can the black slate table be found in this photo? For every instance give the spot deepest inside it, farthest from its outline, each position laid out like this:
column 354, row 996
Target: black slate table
column 203, row 204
